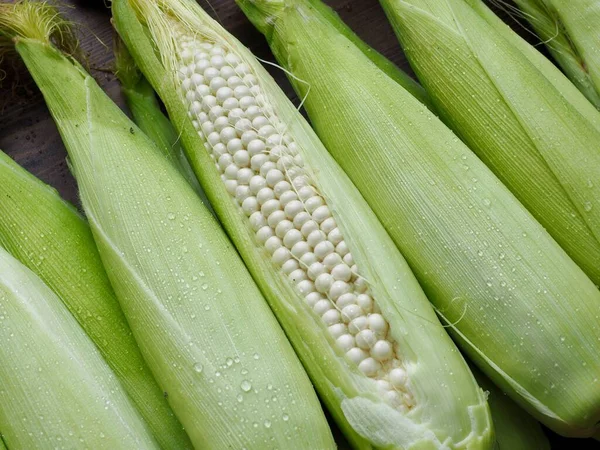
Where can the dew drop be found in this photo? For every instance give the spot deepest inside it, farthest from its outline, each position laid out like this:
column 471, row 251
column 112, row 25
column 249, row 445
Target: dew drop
column 246, row 386
column 198, row 368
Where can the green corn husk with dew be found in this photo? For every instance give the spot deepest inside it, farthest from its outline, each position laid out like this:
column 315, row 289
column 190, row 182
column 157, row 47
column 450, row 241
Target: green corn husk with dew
column 571, row 31
column 560, row 82
column 201, row 323
column 519, row 306
column 527, row 129
column 515, row 429
column 48, row 235
column 376, row 352
column 57, row 391
column 144, row 107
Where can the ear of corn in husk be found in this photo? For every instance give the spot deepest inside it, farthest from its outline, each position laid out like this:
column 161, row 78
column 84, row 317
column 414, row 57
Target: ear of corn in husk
column 543, row 147
column 567, row 89
column 519, row 306
column 57, row 391
column 515, row 429
column 47, row 235
column 202, row 325
column 571, row 32
column 343, row 293
column 144, row 107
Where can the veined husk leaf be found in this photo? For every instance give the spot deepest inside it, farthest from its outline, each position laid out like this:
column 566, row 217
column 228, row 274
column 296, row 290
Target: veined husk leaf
column 450, row 409
column 515, row 429
column 543, row 147
column 144, row 108
column 519, row 306
column 57, row 391
column 201, row 323
column 571, row 31
column 46, row 234
column 568, row 90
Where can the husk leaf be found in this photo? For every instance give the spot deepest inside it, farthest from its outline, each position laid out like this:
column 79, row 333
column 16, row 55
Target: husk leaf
column 518, row 122
column 46, row 234
column 515, row 429
column 56, row 388
column 519, row 306
column 200, row 321
column 449, row 412
column 571, row 33
column 49, row 236
column 147, row 114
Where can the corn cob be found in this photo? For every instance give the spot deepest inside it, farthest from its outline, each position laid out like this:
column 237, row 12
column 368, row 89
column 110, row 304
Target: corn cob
column 47, row 235
column 201, row 323
column 517, row 122
column 353, row 310
column 147, row 115
column 515, row 429
column 571, row 31
column 57, row 391
column 520, row 308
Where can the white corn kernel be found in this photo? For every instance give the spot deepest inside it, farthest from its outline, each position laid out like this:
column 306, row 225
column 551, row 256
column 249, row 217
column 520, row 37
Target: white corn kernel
column 263, row 169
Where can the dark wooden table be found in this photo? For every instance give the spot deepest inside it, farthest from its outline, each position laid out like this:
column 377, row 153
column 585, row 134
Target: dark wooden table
column 28, row 134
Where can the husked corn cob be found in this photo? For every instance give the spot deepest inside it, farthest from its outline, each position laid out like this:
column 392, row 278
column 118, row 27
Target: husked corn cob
column 202, row 324
column 47, row 235
column 56, row 390
column 504, row 107
column 571, row 31
column 344, row 295
column 513, row 299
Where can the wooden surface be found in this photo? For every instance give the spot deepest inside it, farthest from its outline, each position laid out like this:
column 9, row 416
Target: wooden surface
column 28, row 134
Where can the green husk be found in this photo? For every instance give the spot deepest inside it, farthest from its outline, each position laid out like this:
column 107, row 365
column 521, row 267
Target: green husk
column 450, row 407
column 2, row 446
column 200, row 321
column 147, row 115
column 57, row 391
column 560, row 82
column 502, row 104
column 571, row 32
column 47, row 235
column 519, row 306
column 515, row 429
